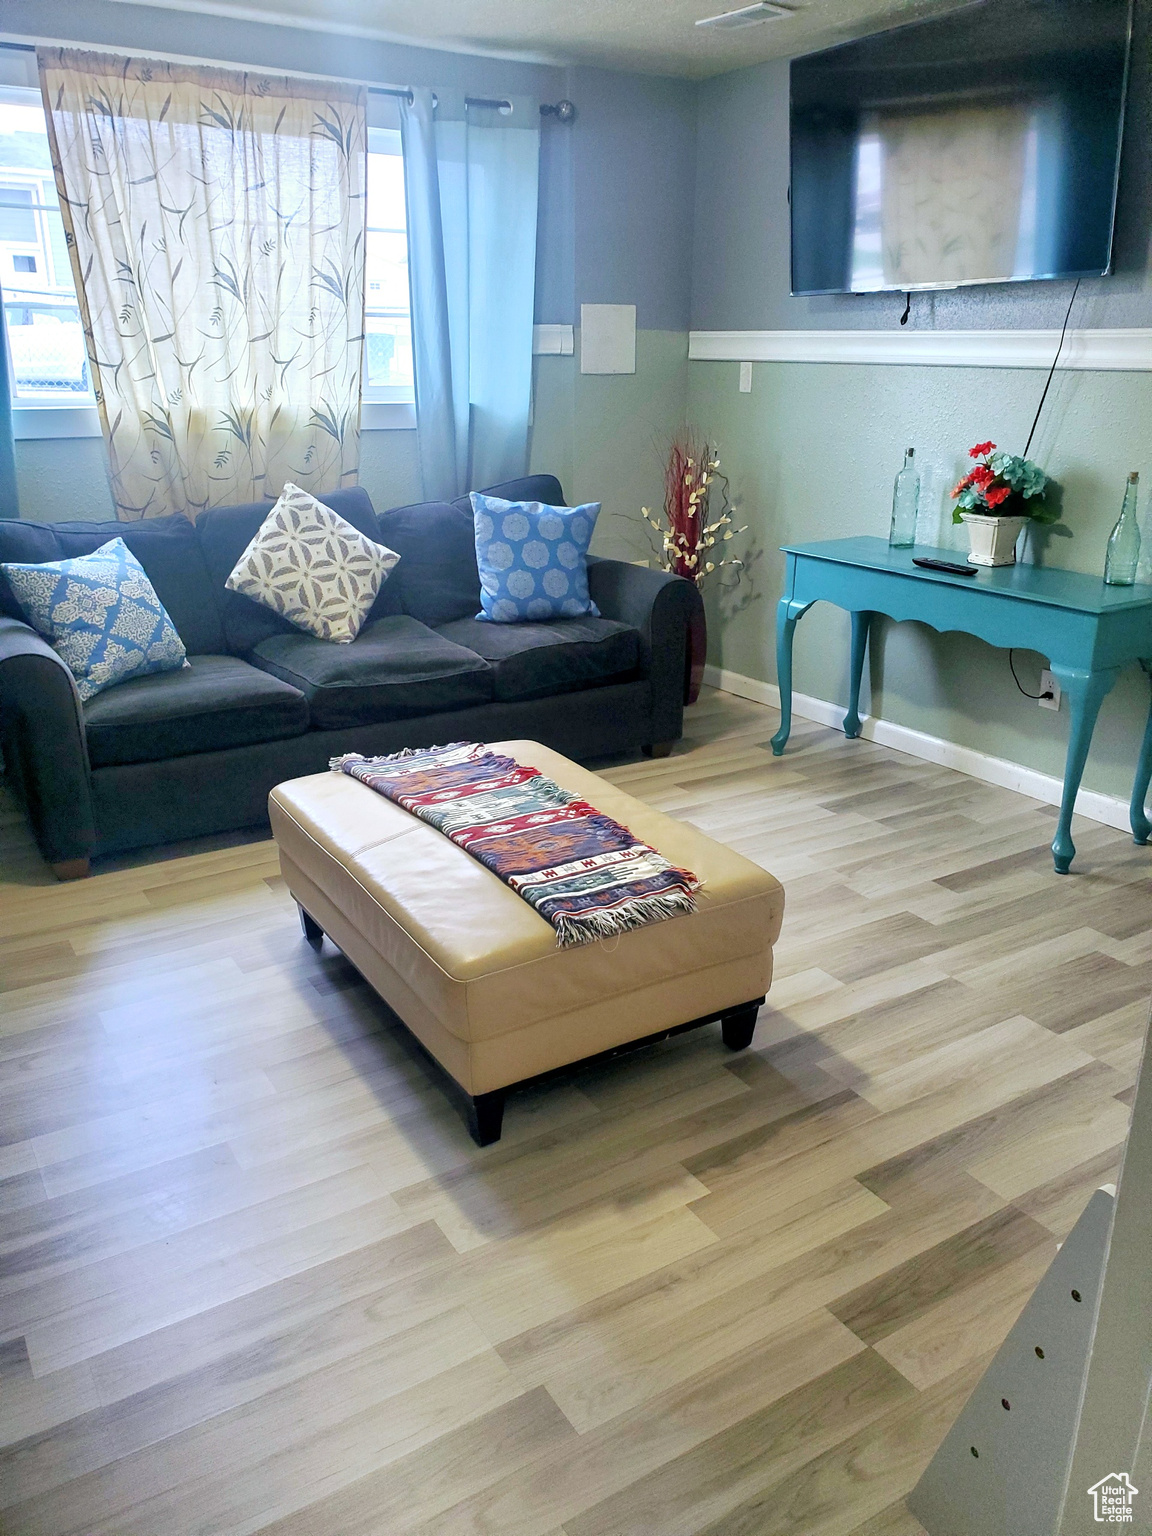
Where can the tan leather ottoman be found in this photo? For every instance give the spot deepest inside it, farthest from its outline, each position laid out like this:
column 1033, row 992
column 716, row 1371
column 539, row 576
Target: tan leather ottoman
column 476, row 974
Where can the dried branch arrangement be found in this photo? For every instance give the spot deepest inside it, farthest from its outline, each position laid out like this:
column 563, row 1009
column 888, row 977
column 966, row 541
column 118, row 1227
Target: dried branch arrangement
column 691, row 478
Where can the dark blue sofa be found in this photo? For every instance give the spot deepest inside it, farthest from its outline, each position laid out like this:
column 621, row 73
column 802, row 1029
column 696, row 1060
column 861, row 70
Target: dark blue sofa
column 180, row 754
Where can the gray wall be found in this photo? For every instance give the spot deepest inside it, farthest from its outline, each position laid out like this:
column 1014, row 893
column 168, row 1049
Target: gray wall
column 740, row 277
column 616, row 186
column 634, row 146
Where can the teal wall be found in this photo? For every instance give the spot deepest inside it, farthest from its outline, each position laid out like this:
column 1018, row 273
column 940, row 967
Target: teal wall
column 811, row 453
column 606, row 435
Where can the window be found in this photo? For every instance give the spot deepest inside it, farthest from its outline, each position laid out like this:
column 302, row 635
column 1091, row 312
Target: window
column 387, row 318
column 17, row 220
column 45, row 336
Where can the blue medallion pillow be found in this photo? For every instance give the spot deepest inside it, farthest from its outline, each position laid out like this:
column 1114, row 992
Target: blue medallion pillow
column 532, row 559
column 101, row 614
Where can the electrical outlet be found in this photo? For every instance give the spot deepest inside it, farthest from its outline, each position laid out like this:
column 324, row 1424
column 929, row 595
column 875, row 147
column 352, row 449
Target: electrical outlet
column 1049, row 686
column 745, row 378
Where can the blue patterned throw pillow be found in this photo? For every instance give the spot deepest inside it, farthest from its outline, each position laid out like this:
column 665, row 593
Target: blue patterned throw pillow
column 101, row 614
column 533, row 559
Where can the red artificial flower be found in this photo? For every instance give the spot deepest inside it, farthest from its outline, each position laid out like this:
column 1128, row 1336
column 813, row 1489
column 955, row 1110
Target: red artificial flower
column 980, row 449
column 961, row 485
column 997, row 494
column 982, row 476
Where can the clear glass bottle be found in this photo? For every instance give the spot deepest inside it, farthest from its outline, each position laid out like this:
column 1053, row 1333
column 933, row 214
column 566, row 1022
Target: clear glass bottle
column 1124, row 540
column 905, row 501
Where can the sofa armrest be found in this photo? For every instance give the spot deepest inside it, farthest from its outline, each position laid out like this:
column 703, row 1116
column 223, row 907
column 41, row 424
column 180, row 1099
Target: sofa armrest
column 663, row 608
column 45, row 751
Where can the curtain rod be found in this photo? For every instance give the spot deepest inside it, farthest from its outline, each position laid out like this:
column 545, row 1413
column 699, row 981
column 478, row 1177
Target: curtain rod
column 469, row 101
column 563, row 111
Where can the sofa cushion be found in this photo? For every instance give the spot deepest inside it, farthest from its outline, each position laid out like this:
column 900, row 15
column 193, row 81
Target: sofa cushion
column 167, row 548
column 226, row 532
column 533, row 661
column 216, row 702
column 396, row 667
column 437, row 576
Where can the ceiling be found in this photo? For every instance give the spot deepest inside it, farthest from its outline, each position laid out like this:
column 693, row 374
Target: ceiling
column 654, row 36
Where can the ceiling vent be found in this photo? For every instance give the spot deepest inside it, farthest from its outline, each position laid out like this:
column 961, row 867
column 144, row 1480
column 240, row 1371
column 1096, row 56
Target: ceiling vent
column 747, row 16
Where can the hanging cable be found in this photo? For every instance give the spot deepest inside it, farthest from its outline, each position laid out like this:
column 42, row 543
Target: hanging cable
column 1047, row 694
column 1052, row 370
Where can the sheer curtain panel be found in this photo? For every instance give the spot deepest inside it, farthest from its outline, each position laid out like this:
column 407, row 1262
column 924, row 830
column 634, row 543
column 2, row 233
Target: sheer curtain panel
column 216, row 226
column 471, row 178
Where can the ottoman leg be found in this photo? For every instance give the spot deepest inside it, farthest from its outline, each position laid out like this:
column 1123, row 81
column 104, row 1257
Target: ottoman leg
column 312, row 929
column 485, row 1116
column 740, row 1025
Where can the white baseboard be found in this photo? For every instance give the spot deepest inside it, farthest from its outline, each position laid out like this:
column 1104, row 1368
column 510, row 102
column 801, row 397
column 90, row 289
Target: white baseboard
column 1110, row 810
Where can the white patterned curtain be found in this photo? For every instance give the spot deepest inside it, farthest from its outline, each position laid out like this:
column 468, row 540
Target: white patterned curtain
column 216, row 225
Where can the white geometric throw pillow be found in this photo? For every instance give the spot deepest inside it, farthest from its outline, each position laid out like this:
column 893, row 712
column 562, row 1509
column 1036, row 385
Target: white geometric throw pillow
column 313, row 568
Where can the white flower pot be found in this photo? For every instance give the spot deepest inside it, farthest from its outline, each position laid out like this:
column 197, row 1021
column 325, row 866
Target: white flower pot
column 992, row 539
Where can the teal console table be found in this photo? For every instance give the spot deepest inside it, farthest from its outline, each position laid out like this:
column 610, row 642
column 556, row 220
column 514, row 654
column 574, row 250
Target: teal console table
column 1087, row 630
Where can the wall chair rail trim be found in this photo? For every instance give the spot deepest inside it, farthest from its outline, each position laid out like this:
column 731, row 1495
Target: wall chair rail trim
column 1122, row 350
column 553, row 340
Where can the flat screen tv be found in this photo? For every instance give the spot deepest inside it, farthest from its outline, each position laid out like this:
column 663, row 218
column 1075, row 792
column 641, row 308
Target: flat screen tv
column 978, row 146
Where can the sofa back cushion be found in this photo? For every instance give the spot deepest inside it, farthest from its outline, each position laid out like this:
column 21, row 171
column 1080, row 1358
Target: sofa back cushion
column 167, row 548
column 226, row 532
column 545, row 488
column 437, row 576
column 437, row 580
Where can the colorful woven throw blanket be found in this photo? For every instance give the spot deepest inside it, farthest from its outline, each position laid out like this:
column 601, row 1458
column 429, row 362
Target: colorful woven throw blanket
column 583, row 872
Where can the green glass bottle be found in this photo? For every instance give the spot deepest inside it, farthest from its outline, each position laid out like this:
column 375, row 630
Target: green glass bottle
column 1124, row 540
column 905, row 504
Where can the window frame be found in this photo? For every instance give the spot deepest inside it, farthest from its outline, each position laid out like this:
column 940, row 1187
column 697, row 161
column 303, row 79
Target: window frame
column 385, row 408
column 76, row 416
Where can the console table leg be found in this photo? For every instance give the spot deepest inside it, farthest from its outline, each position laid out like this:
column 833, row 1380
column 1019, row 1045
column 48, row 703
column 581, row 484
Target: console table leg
column 1086, row 691
column 1141, row 826
column 787, row 615
column 861, row 623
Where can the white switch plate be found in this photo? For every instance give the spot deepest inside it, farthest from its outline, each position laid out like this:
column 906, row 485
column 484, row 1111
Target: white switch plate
column 1048, row 684
column 745, row 378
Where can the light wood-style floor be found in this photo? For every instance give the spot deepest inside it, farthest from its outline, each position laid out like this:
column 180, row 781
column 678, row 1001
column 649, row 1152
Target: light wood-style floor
column 255, row 1276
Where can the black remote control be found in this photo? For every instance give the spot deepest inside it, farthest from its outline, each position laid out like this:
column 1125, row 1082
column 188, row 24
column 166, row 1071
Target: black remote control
column 943, row 565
